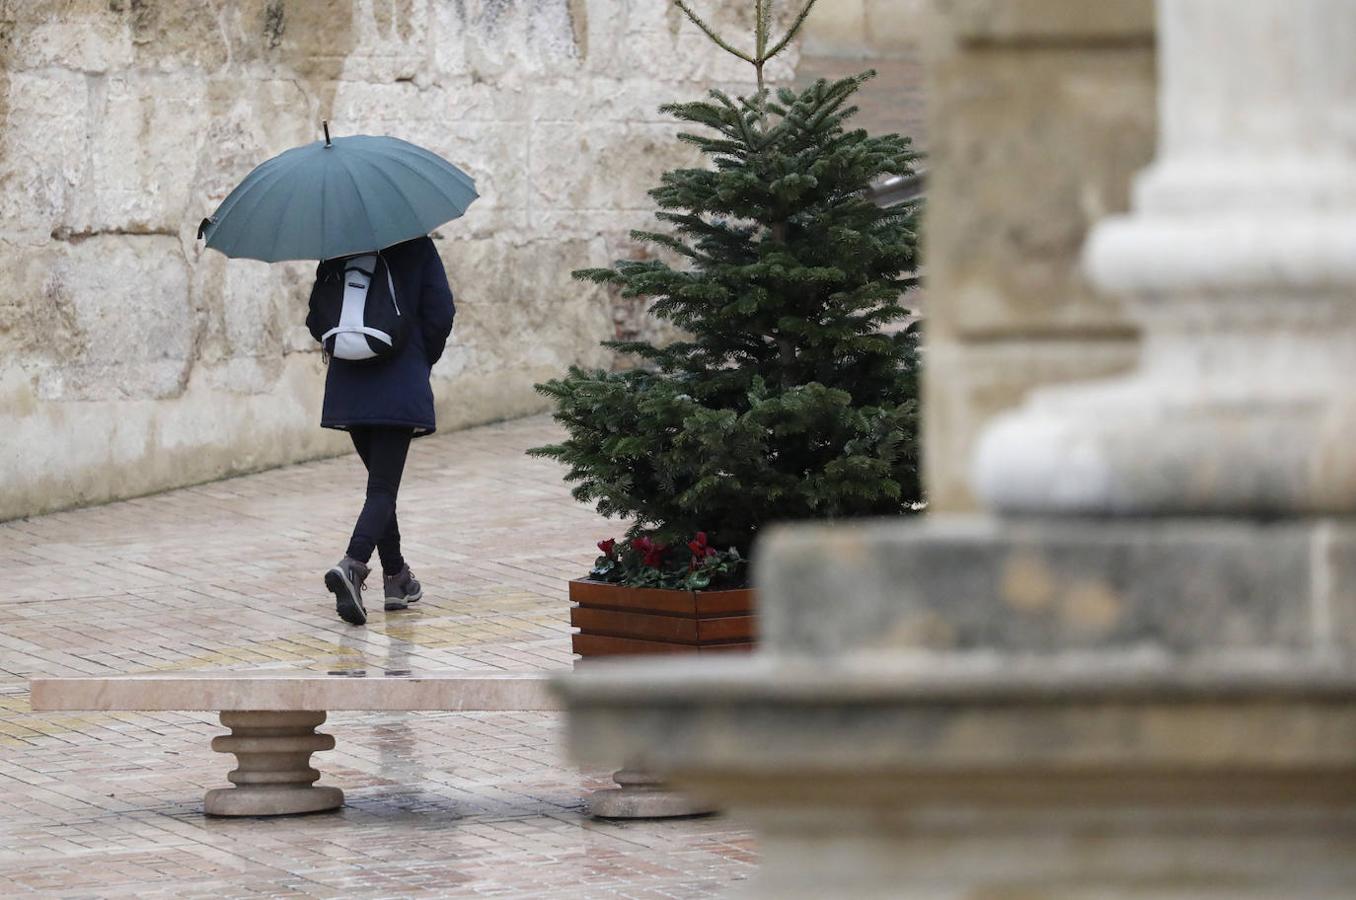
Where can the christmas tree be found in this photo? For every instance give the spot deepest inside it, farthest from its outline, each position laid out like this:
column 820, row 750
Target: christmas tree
column 791, row 396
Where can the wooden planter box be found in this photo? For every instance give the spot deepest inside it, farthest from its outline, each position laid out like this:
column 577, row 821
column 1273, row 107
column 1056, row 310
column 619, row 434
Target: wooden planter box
column 614, row 620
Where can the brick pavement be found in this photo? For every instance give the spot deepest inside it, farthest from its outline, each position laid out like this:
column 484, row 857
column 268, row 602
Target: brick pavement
column 227, row 576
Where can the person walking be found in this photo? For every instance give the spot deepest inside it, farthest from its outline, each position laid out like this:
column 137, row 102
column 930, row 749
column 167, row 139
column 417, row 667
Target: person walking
column 382, row 317
column 383, row 404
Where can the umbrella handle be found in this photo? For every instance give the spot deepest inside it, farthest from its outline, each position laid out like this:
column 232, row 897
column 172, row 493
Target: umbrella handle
column 326, row 125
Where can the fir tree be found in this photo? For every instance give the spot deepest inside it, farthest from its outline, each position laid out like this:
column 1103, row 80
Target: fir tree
column 791, row 397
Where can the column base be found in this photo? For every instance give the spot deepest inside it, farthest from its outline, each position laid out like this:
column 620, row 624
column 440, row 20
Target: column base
column 275, row 801
column 643, row 796
column 274, row 776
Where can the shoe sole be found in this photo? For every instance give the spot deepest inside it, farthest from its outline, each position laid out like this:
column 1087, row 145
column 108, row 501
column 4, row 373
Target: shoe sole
column 346, row 601
column 403, row 603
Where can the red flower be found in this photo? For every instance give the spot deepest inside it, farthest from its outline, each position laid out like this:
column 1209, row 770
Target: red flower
column 652, row 550
column 608, row 547
column 699, row 547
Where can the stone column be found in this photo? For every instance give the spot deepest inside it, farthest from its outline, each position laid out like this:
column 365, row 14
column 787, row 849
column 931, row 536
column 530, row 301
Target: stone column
column 1239, row 264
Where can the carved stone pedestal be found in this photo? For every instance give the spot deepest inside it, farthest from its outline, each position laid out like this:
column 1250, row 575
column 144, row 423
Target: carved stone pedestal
column 274, row 776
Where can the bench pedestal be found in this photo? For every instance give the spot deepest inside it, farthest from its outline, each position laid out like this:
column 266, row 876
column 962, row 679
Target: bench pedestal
column 639, row 795
column 274, row 776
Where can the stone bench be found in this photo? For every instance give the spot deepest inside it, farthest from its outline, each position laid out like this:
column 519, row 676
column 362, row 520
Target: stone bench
column 273, row 717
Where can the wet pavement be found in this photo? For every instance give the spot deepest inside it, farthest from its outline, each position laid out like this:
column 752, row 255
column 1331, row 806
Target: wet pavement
column 226, row 576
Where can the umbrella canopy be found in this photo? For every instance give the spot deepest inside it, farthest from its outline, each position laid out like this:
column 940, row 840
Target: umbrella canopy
column 336, row 198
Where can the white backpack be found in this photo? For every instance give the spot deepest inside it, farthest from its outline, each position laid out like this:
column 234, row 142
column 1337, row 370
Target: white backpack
column 354, row 305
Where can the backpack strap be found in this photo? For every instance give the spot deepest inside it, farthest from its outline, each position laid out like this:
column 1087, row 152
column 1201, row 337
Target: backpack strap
column 356, row 329
column 389, row 283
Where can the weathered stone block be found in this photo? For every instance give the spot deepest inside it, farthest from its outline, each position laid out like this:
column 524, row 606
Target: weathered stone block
column 1077, row 21
column 1153, row 589
column 81, row 35
column 45, row 148
column 583, row 166
column 246, row 311
column 383, row 42
column 495, row 41
column 896, row 27
column 857, row 29
column 607, row 99
column 1003, row 250
column 184, row 35
column 521, row 316
column 836, row 28
column 143, row 146
column 126, row 305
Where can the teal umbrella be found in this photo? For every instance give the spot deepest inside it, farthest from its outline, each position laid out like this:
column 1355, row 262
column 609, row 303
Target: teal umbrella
column 336, row 198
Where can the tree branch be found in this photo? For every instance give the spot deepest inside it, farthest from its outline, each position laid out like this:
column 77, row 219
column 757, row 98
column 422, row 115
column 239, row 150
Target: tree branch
column 720, row 42
column 762, row 10
column 795, row 27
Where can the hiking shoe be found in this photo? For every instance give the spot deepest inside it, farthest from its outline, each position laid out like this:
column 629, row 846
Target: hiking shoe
column 345, row 581
column 402, row 590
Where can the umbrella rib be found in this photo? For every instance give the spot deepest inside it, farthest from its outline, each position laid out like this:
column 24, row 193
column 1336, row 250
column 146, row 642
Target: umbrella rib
column 324, row 196
column 258, row 190
column 221, row 213
column 399, row 192
column 431, row 182
column 414, row 213
column 371, row 233
column 433, row 159
column 282, row 219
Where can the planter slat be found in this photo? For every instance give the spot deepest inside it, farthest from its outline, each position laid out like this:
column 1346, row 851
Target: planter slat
column 662, row 627
column 727, row 628
column 591, row 645
column 699, row 603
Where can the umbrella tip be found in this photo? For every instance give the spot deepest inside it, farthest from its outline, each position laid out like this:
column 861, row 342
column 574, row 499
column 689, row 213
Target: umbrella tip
column 326, row 125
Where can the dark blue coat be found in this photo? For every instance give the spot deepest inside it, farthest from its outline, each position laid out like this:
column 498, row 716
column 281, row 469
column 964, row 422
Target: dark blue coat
column 396, row 391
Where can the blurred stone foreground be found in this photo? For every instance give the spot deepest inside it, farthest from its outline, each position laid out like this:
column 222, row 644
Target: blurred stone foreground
column 1131, row 671
column 131, row 360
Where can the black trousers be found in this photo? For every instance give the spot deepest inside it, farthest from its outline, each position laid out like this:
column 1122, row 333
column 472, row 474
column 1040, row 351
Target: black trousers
column 383, row 452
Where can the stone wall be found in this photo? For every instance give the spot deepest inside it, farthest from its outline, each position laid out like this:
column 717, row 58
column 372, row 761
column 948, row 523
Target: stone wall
column 131, row 360
column 843, row 37
column 864, row 29
column 1042, row 110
